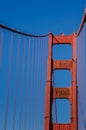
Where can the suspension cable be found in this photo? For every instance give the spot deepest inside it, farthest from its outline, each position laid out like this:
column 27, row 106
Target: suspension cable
column 16, row 89
column 1, row 44
column 22, row 89
column 32, row 84
column 8, row 88
column 22, row 33
column 27, row 77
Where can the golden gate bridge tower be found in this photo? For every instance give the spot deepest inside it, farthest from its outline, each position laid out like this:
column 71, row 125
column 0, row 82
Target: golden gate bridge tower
column 53, row 92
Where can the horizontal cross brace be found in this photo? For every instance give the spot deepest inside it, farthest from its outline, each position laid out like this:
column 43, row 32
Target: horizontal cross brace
column 61, row 126
column 62, row 64
column 62, row 39
column 61, row 92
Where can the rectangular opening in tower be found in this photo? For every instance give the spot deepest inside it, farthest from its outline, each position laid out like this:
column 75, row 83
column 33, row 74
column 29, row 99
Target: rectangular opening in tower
column 62, row 51
column 61, row 78
column 61, row 111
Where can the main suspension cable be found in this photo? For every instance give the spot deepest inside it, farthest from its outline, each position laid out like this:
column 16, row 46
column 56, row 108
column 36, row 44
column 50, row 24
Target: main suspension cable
column 22, row 33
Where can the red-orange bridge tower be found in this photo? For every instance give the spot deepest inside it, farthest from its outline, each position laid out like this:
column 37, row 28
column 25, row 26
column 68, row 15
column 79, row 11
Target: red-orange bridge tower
column 53, row 92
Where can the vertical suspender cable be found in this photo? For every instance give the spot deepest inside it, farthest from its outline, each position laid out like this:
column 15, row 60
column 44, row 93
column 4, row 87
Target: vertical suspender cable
column 22, row 89
column 1, row 44
column 8, row 89
column 36, row 77
column 31, row 85
column 16, row 88
column 42, row 67
column 27, row 89
column 41, row 82
column 34, row 82
column 39, row 77
column 30, row 78
column 43, row 53
column 42, row 62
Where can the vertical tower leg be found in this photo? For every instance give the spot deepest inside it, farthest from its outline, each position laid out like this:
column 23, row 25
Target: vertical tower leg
column 47, row 118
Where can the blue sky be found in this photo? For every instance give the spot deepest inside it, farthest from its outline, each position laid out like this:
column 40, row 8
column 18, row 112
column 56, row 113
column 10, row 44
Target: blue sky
column 42, row 16
column 39, row 17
